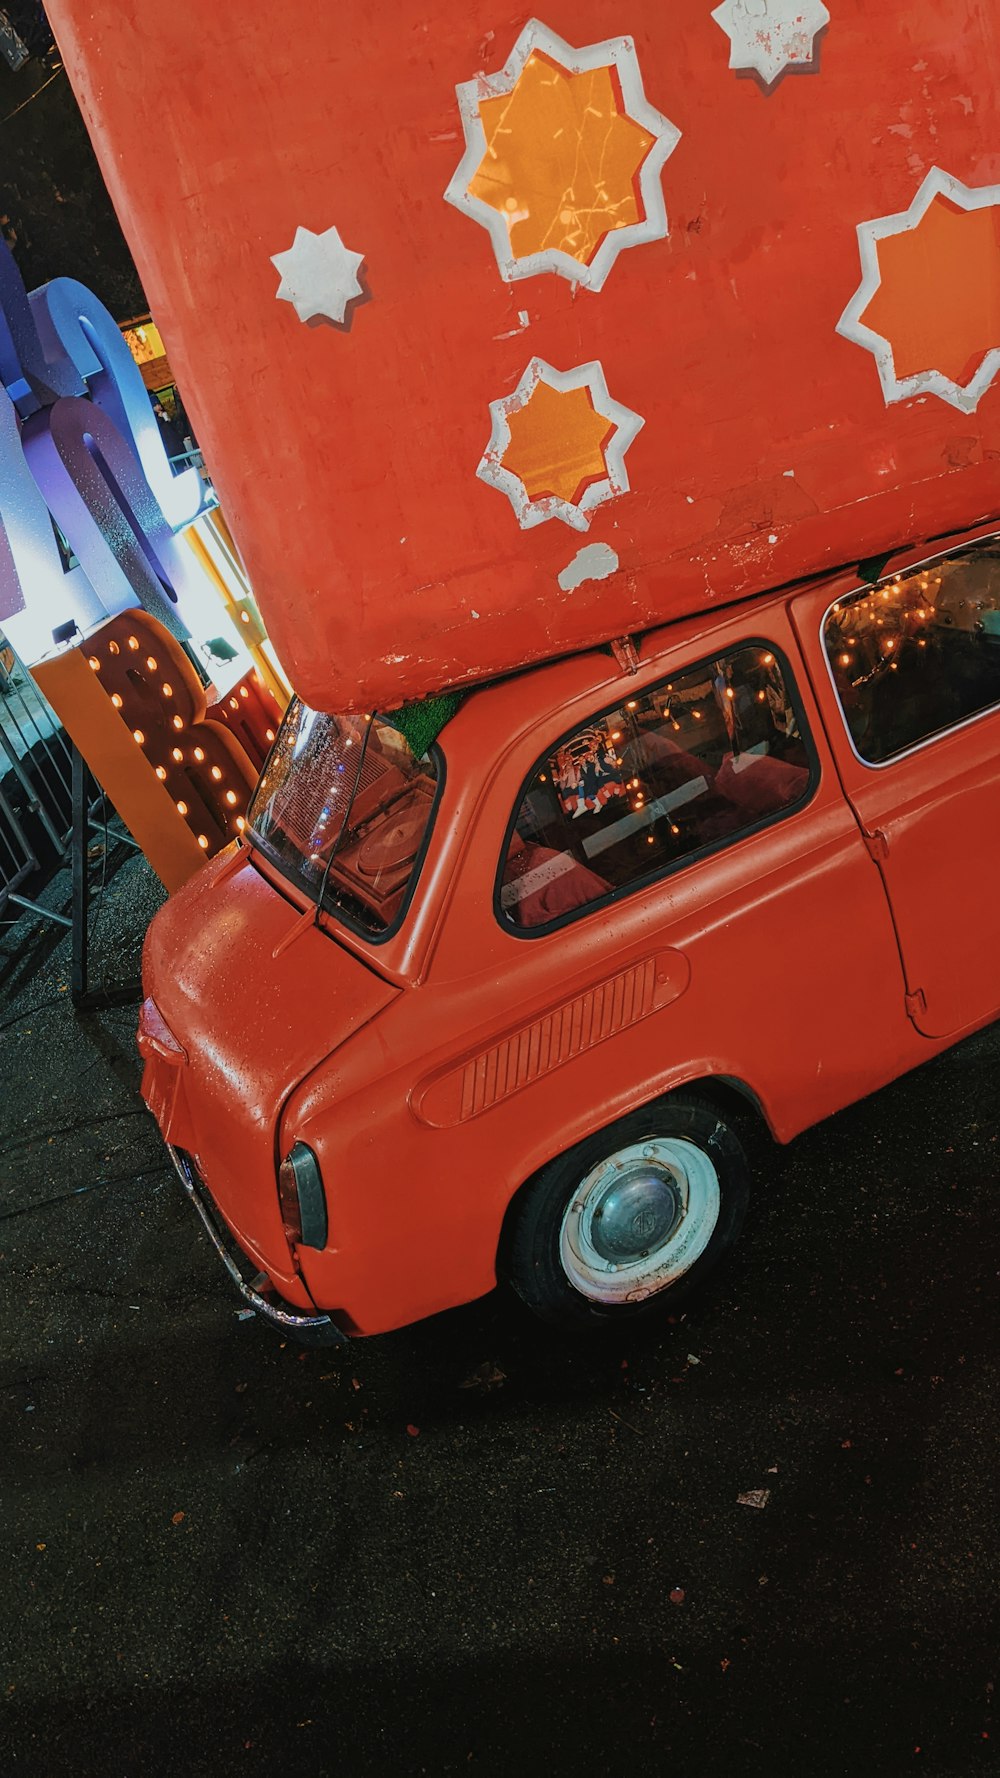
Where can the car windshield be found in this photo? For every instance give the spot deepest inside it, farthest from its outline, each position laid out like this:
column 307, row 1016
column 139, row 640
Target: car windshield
column 343, row 809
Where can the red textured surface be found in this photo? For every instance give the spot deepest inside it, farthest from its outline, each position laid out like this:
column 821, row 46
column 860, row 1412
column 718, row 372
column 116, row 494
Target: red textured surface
column 346, row 458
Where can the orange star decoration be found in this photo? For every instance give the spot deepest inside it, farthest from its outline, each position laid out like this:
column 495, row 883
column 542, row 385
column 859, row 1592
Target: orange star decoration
column 558, row 444
column 928, row 307
column 563, row 158
column 561, row 161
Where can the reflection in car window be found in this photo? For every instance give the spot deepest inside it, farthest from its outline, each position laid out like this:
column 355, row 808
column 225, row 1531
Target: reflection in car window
column 664, row 775
column 919, row 653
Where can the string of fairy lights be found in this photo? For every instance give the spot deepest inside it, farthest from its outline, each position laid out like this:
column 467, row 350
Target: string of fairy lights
column 674, row 703
column 865, row 634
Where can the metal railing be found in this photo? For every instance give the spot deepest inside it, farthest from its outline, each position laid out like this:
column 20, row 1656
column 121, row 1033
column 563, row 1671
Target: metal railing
column 36, row 786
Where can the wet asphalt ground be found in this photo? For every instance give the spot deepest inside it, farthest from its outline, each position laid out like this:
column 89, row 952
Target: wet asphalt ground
column 471, row 1547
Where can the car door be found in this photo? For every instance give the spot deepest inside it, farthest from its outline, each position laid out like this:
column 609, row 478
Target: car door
column 907, row 672
column 675, row 854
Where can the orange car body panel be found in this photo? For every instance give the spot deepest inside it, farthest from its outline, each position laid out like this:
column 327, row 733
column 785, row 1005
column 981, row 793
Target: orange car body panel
column 424, row 1073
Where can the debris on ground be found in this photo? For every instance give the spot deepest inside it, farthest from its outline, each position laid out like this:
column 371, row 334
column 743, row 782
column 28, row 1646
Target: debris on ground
column 758, row 1497
column 485, row 1376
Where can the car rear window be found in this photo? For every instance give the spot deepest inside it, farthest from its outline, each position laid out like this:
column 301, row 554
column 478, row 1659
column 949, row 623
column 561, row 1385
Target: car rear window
column 918, row 653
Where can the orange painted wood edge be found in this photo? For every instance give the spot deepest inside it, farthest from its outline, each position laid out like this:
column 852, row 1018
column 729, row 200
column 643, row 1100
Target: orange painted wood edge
column 120, row 766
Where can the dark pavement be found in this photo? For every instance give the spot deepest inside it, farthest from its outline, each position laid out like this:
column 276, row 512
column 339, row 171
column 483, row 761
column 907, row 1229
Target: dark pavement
column 471, row 1547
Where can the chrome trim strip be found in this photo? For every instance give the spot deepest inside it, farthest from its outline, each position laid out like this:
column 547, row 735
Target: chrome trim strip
column 280, row 1317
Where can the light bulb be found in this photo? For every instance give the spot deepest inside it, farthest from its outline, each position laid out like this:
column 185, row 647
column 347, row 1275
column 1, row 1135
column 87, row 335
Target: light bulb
column 151, row 664
column 631, row 705
column 243, row 692
column 177, row 755
column 116, row 700
column 95, row 663
column 240, row 823
column 216, row 774
column 233, row 705
column 244, row 617
column 168, row 690
column 231, row 797
column 182, row 808
column 160, row 773
column 139, row 736
column 133, row 642
column 178, row 721
column 199, row 753
column 113, row 648
column 269, row 732
column 203, row 841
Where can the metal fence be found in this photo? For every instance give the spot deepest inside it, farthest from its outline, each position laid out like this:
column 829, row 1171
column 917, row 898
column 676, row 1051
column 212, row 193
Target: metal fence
column 36, row 780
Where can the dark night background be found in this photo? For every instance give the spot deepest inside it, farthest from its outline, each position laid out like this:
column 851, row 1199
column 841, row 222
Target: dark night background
column 54, row 210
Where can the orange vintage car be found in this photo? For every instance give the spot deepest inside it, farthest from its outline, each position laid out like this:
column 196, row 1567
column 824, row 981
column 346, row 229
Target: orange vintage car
column 492, row 983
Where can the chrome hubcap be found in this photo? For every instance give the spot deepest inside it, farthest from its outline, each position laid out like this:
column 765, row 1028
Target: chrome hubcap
column 636, row 1215
column 639, row 1220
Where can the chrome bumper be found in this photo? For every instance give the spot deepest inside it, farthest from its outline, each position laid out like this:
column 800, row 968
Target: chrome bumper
column 300, row 1326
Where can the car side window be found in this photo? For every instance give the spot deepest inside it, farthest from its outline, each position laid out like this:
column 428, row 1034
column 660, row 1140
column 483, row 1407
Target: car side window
column 919, row 653
column 665, row 775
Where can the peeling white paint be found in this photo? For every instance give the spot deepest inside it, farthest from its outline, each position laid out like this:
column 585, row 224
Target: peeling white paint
column 595, row 561
column 769, row 36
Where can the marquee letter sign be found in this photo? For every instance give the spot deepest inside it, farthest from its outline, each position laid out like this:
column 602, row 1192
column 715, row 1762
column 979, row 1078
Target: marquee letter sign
column 81, row 455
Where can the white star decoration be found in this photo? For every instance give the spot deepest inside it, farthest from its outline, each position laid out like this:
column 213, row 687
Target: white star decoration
column 966, row 396
column 319, row 275
column 769, row 36
column 627, row 423
column 618, row 53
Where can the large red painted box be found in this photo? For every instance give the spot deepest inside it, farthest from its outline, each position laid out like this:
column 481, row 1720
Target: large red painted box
column 503, row 336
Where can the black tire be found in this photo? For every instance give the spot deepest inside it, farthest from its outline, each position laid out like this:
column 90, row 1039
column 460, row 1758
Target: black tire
column 531, row 1255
